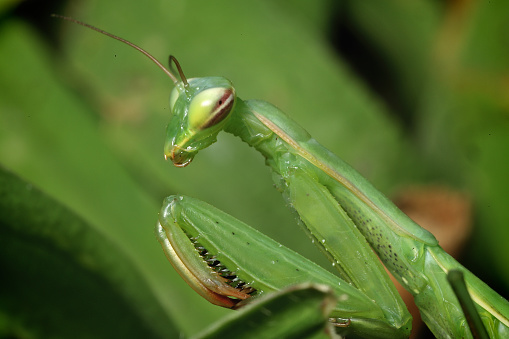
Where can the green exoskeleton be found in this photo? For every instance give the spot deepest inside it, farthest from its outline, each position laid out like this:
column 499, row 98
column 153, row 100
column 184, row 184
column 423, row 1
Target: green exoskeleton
column 231, row 264
column 204, row 245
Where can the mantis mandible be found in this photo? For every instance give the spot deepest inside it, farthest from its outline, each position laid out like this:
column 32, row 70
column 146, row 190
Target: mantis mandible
column 230, row 264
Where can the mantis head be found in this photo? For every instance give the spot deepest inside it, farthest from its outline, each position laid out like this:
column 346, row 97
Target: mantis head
column 200, row 107
column 200, row 111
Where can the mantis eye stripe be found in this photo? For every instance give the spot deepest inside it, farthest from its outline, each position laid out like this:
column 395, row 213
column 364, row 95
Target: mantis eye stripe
column 223, row 107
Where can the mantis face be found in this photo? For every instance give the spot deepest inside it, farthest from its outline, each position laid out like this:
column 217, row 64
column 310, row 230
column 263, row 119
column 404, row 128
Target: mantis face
column 199, row 112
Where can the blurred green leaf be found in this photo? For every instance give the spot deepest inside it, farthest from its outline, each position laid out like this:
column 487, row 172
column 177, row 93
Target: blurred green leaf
column 300, row 311
column 402, row 35
column 5, row 5
column 63, row 278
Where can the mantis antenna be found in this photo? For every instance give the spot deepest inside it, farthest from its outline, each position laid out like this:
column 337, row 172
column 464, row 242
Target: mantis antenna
column 170, row 74
column 181, row 73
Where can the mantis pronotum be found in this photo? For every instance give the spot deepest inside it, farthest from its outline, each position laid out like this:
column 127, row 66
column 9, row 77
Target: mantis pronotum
column 231, row 264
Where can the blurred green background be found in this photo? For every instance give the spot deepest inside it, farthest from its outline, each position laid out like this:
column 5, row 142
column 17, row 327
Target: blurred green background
column 406, row 92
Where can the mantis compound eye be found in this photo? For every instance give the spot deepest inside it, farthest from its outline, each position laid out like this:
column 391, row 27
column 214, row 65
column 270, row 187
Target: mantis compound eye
column 210, row 107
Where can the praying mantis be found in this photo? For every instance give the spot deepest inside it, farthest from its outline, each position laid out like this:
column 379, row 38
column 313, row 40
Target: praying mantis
column 231, row 265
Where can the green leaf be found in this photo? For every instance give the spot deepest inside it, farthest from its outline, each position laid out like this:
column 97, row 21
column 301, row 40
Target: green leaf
column 63, row 278
column 300, row 311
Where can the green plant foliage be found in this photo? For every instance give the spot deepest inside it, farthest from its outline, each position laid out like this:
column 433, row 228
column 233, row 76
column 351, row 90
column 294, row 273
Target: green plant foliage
column 63, row 278
column 300, row 311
